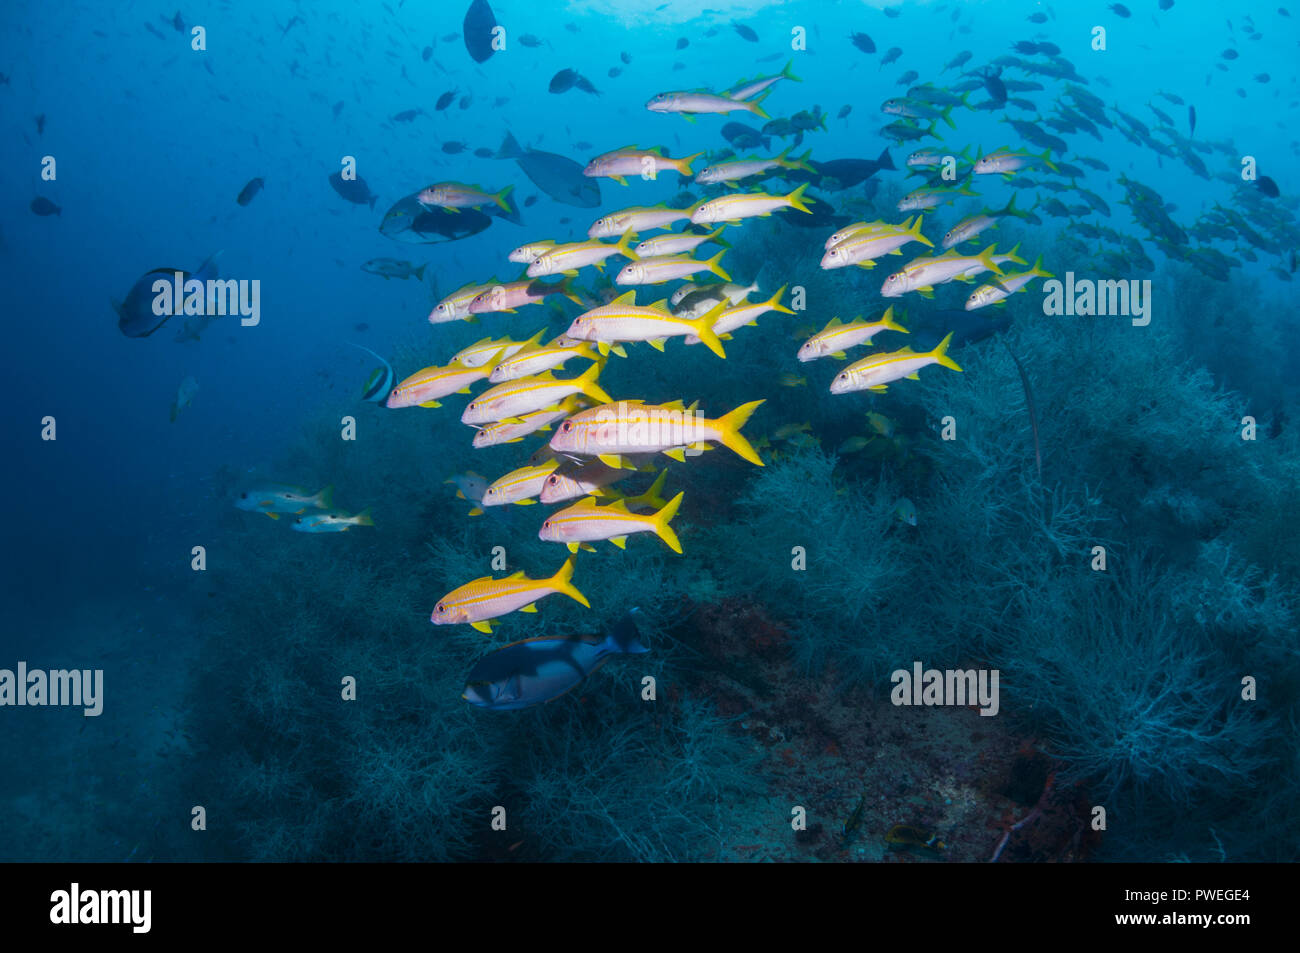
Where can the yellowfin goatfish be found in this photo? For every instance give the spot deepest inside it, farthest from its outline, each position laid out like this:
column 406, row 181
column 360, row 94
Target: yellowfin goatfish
column 692, row 102
column 1005, row 162
column 1005, row 286
column 511, row 295
column 486, row 598
column 588, row 478
column 747, row 88
column 481, row 352
column 331, row 522
column 738, row 169
column 927, row 198
column 519, row 486
column 515, row 398
column 638, row 218
column 655, row 271
column 276, row 499
column 567, row 259
column 874, row 372
column 969, row 228
column 630, row 160
column 425, row 387
column 538, row 358
column 738, row 316
column 734, row 208
column 622, row 320
column 587, row 521
column 516, row 428
column 455, row 307
column 629, row 427
column 862, row 247
column 922, row 274
column 837, row 337
column 858, row 228
column 527, row 254
column 536, row 671
column 678, row 243
column 457, row 195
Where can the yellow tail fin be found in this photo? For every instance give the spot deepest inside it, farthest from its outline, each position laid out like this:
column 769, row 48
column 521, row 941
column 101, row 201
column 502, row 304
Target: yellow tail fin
column 683, row 165
column 915, row 232
column 661, row 520
column 795, row 199
column 586, row 383
column 729, row 432
column 716, row 267
column 774, row 303
column 704, row 327
column 940, row 354
column 755, row 105
column 561, row 582
column 889, row 323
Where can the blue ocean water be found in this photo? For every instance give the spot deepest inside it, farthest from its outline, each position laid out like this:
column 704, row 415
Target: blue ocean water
column 1159, row 683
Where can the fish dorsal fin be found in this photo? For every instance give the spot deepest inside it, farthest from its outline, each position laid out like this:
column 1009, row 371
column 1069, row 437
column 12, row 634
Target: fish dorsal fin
column 834, row 323
column 660, row 305
column 674, row 405
column 619, row 505
column 627, row 297
column 516, row 575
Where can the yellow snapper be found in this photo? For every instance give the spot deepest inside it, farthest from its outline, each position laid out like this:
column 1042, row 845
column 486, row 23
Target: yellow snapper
column 655, row 271
column 733, row 171
column 863, row 246
column 838, row 336
column 1006, row 286
column 631, row 426
column 587, row 521
column 538, row 358
column 481, row 352
column 874, row 372
column 588, row 478
column 486, row 598
column 455, row 307
column 527, row 254
column 734, row 318
column 516, row 428
column 630, row 160
column 922, row 274
column 515, row 398
column 622, row 320
column 678, row 243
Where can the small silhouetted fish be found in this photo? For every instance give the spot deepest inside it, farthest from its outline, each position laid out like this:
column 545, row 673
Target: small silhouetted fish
column 996, row 90
column 681, row 200
column 746, row 33
column 529, row 40
column 844, row 111
column 571, row 27
column 584, row 84
column 1039, row 17
column 136, row 317
column 615, row 71
column 889, row 57
column 407, row 115
column 362, row 326
column 338, row 108
column 1166, row 4
column 248, row 191
column 354, row 190
column 1261, row 77
column 563, row 81
column 863, row 42
column 892, row 11
column 445, row 100
column 1268, row 186
column 465, row 101
column 1191, row 120
column 483, row 152
column 43, row 206
column 531, row 200
column 678, row 65
column 1120, row 10
column 450, row 37
column 478, row 28
column 625, row 57
column 1229, row 54
column 453, row 148
column 40, row 124
column 682, row 43
column 393, row 268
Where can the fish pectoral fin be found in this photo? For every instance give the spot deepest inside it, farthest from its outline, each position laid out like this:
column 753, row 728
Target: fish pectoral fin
column 476, row 511
column 485, row 627
column 657, row 343
column 914, row 376
column 531, row 607
column 677, row 453
column 618, row 349
column 926, row 292
column 619, row 541
column 878, row 389
column 865, row 264
column 838, row 355
column 612, row 460
column 524, row 502
column 619, row 179
column 431, row 403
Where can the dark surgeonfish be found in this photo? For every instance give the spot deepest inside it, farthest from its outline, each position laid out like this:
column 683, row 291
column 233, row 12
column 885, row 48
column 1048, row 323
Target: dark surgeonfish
column 479, row 23
column 42, row 206
column 842, row 173
column 409, row 221
column 354, row 190
column 534, row 671
column 135, row 315
column 381, row 381
column 248, row 191
column 559, row 177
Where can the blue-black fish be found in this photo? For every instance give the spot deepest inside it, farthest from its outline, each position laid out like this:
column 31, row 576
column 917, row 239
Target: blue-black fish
column 135, row 314
column 354, row 190
column 559, row 177
column 445, row 100
column 746, row 33
column 409, row 221
column 382, row 381
column 863, row 42
column 477, row 28
column 43, row 206
column 1267, row 186
column 535, row 671
column 1191, row 120
column 248, row 191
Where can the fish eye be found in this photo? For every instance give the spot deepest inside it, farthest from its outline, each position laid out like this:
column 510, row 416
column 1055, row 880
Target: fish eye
column 552, row 480
column 567, row 426
column 440, row 608
column 844, row 377
column 546, row 525
column 473, row 404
